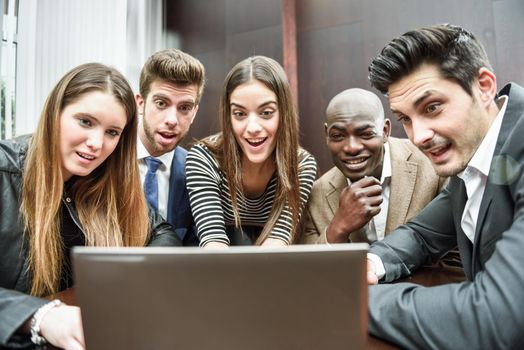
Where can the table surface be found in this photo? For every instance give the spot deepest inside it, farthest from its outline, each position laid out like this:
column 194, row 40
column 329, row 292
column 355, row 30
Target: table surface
column 426, row 276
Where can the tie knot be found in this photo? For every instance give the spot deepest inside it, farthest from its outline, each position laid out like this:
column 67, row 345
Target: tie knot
column 152, row 164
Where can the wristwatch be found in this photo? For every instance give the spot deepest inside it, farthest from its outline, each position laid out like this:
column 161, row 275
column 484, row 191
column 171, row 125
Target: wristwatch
column 36, row 337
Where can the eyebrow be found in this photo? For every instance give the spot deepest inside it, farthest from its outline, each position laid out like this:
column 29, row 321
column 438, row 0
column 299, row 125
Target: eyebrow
column 418, row 101
column 357, row 129
column 364, row 127
column 166, row 97
column 117, row 127
column 87, row 115
column 262, row 105
column 335, row 126
column 421, row 99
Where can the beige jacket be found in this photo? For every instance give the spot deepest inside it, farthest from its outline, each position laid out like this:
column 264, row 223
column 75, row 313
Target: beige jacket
column 414, row 184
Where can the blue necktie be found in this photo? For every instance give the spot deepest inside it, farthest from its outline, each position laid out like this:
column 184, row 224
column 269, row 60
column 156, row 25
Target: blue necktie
column 151, row 182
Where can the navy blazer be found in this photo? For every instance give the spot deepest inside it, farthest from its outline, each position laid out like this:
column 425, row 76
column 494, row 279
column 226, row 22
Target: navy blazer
column 485, row 312
column 178, row 208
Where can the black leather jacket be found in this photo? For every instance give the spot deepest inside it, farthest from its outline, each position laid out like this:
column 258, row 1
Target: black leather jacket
column 15, row 305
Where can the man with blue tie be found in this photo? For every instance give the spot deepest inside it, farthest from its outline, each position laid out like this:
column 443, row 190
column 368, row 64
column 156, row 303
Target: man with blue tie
column 171, row 85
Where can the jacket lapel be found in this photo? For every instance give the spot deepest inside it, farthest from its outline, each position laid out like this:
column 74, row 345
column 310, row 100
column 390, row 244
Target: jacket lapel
column 402, row 185
column 338, row 182
column 498, row 168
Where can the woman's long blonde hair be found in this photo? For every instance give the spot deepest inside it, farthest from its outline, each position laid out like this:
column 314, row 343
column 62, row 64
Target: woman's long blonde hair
column 228, row 152
column 109, row 201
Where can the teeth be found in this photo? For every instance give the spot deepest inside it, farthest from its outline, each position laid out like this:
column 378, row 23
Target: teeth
column 437, row 150
column 356, row 161
column 86, row 156
column 257, row 140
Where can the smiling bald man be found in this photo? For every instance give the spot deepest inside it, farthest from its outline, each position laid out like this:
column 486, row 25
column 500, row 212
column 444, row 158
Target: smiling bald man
column 378, row 182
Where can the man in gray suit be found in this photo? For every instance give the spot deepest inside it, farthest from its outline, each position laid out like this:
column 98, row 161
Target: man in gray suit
column 441, row 87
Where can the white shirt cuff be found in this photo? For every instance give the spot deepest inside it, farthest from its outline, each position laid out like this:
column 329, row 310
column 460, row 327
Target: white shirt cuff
column 380, row 271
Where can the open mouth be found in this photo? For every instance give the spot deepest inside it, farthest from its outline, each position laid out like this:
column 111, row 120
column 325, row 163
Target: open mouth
column 438, row 154
column 85, row 156
column 355, row 161
column 439, row 150
column 256, row 142
column 167, row 135
column 356, row 164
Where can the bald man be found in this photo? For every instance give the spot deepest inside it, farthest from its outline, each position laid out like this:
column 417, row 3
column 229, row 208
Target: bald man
column 378, row 182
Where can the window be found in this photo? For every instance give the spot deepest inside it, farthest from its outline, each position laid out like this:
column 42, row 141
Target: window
column 8, row 23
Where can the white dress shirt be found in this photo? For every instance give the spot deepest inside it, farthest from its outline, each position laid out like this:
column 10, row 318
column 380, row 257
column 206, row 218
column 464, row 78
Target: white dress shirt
column 475, row 175
column 163, row 173
column 376, row 227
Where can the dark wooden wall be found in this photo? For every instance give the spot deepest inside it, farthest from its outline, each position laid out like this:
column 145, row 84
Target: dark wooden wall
column 221, row 33
column 335, row 42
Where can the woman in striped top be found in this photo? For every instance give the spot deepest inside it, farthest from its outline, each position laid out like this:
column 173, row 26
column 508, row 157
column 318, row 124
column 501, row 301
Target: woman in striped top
column 253, row 177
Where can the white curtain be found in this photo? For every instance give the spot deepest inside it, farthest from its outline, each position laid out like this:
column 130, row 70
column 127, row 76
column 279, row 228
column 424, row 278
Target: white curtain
column 57, row 35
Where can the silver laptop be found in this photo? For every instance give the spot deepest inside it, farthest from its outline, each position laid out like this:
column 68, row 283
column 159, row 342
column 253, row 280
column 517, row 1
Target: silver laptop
column 249, row 298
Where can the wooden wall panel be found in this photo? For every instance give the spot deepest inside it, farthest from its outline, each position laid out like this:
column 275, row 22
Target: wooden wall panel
column 220, row 33
column 355, row 31
column 336, row 40
column 328, row 59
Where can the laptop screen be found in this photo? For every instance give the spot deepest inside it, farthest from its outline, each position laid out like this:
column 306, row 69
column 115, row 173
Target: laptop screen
column 297, row 297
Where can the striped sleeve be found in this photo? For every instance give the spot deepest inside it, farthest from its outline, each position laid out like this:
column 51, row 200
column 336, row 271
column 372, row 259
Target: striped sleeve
column 307, row 173
column 203, row 185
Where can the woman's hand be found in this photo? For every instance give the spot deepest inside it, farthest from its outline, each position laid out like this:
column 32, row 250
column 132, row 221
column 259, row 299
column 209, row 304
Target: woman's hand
column 273, row 242
column 214, row 245
column 62, row 327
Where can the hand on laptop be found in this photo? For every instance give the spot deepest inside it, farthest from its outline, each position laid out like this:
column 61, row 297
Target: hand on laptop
column 62, row 327
column 371, row 274
column 358, row 204
column 214, row 245
column 274, row 242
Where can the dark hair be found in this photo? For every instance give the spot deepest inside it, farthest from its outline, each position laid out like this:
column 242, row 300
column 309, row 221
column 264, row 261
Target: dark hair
column 455, row 51
column 173, row 66
column 226, row 149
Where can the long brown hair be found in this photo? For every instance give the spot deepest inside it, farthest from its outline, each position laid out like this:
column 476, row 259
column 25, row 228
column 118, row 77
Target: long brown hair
column 109, row 201
column 228, row 152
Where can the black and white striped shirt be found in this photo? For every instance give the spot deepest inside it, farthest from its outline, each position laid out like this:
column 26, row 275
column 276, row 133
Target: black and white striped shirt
column 210, row 198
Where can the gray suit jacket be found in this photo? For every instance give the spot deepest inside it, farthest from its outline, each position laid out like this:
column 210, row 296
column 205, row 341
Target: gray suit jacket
column 487, row 311
column 414, row 184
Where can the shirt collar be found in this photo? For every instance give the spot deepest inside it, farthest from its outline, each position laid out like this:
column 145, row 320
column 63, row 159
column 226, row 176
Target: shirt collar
column 166, row 158
column 483, row 156
column 386, row 165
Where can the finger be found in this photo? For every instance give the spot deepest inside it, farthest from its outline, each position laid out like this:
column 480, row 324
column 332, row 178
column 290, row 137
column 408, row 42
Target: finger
column 372, row 190
column 371, row 275
column 74, row 344
column 357, row 192
column 374, row 201
column 372, row 211
column 366, row 181
column 372, row 278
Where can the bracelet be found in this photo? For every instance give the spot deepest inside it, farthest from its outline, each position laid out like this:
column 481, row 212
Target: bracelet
column 36, row 337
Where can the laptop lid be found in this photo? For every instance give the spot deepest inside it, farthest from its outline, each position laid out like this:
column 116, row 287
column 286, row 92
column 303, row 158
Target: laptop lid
column 298, row 297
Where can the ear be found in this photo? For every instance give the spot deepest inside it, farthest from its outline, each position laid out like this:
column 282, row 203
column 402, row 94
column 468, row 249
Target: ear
column 194, row 114
column 487, row 86
column 386, row 131
column 139, row 104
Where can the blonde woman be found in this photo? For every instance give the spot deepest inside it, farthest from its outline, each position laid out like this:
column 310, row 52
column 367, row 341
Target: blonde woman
column 74, row 182
column 249, row 183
